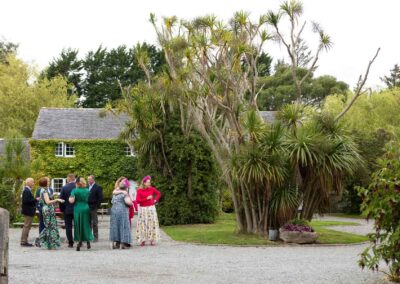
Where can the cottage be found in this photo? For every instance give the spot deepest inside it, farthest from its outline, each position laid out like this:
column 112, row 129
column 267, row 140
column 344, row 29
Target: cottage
column 81, row 141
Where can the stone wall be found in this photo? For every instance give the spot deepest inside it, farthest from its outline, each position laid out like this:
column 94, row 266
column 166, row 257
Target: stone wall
column 4, row 225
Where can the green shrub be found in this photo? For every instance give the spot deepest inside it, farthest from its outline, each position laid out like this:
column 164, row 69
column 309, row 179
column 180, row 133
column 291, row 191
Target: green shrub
column 381, row 202
column 7, row 199
column 192, row 163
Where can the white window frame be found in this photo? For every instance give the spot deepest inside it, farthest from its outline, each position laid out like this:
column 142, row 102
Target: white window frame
column 64, row 150
column 64, row 182
column 129, row 151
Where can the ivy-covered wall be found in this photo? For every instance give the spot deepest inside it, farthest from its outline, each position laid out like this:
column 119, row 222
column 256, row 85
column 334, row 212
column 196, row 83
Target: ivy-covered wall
column 105, row 159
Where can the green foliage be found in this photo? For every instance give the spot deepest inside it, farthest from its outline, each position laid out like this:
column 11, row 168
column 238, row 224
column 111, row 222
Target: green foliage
column 381, row 202
column 22, row 95
column 99, row 76
column 14, row 168
column 191, row 194
column 373, row 120
column 279, row 88
column 6, row 48
column 105, row 159
column 393, row 80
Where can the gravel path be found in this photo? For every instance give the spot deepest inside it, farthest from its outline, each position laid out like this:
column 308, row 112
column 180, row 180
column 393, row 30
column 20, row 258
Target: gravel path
column 173, row 262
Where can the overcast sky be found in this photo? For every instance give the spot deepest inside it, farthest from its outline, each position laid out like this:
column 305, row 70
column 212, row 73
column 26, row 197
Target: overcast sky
column 357, row 27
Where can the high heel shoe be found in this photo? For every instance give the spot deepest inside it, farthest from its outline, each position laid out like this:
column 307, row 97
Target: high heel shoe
column 142, row 244
column 88, row 245
column 78, row 247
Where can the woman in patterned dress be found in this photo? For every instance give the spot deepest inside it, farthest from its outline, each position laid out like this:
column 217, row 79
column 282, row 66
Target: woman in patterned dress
column 147, row 228
column 50, row 237
column 120, row 230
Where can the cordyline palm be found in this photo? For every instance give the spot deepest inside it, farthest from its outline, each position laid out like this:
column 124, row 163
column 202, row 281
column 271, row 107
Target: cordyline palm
column 321, row 153
column 259, row 167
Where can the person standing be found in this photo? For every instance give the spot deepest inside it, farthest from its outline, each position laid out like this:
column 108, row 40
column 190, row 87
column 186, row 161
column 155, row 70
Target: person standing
column 39, row 208
column 95, row 199
column 28, row 210
column 79, row 197
column 50, row 237
column 67, row 208
column 147, row 228
column 120, row 230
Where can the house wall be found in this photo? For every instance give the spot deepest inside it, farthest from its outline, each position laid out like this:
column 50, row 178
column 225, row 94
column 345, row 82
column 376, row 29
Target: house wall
column 105, row 159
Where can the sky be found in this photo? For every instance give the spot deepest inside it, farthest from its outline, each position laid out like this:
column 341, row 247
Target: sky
column 42, row 28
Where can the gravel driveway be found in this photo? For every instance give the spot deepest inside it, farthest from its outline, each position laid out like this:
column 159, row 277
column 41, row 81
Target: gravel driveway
column 173, row 262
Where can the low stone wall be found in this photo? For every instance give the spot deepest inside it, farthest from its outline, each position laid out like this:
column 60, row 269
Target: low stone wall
column 4, row 225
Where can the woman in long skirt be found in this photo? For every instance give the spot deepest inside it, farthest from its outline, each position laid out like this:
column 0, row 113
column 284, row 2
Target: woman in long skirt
column 120, row 230
column 147, row 228
column 49, row 237
column 79, row 197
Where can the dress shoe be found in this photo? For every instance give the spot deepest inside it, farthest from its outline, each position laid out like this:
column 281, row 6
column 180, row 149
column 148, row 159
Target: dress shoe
column 70, row 245
column 26, row 245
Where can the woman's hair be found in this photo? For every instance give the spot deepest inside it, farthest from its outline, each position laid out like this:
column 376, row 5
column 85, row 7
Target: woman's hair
column 119, row 181
column 43, row 181
column 81, row 181
column 122, row 185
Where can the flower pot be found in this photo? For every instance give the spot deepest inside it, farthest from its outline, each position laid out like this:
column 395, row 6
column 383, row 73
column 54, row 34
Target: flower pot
column 298, row 237
column 273, row 234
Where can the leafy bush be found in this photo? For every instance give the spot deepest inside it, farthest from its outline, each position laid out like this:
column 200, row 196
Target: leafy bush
column 7, row 199
column 381, row 202
column 190, row 195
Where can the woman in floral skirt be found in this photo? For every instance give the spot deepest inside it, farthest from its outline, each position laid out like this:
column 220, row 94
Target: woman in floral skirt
column 49, row 238
column 147, row 228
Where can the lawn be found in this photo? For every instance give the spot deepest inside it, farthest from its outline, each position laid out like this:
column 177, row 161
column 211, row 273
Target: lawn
column 223, row 232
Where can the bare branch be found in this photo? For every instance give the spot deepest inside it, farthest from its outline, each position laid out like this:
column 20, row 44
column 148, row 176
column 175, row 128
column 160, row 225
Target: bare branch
column 360, row 86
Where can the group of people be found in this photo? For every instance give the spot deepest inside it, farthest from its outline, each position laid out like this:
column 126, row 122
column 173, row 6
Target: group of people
column 79, row 202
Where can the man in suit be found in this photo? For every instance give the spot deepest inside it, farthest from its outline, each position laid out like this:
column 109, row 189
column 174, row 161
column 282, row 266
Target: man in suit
column 68, row 208
column 94, row 201
column 28, row 210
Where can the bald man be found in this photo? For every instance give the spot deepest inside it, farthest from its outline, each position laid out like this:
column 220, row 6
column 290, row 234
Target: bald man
column 28, row 210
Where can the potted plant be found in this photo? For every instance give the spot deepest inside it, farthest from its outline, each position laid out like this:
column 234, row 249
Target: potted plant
column 298, row 231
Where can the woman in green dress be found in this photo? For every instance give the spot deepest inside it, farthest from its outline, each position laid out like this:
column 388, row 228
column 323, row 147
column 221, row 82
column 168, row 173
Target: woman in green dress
column 49, row 238
column 79, row 196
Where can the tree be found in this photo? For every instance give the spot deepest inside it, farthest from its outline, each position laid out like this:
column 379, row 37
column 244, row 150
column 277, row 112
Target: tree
column 393, row 80
column 6, row 48
column 98, row 78
column 69, row 66
column 22, row 95
column 279, row 88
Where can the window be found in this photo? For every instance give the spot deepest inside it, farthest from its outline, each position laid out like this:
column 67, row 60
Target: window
column 58, row 183
column 59, row 149
column 64, row 150
column 69, row 150
column 129, row 151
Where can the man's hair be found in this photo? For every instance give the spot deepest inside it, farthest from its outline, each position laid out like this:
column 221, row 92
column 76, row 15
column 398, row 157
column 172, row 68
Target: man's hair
column 91, row 176
column 43, row 181
column 28, row 180
column 71, row 177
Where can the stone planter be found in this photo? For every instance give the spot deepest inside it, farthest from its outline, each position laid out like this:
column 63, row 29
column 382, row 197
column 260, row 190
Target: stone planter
column 298, row 237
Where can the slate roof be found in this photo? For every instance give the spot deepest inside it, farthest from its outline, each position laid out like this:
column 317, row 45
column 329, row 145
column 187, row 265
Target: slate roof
column 77, row 123
column 269, row 116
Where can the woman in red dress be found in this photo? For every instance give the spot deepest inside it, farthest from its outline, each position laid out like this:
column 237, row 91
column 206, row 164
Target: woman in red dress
column 147, row 228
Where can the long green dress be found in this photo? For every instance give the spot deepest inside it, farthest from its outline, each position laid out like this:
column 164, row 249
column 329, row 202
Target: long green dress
column 82, row 231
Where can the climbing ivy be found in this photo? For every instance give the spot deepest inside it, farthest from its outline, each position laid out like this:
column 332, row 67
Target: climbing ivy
column 105, row 159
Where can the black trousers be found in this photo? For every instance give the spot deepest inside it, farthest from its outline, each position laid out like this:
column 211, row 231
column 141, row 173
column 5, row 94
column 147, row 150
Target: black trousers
column 69, row 219
column 94, row 223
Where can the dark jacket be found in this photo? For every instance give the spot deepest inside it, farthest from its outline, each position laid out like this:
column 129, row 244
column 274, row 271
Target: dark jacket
column 65, row 193
column 95, row 196
column 28, row 202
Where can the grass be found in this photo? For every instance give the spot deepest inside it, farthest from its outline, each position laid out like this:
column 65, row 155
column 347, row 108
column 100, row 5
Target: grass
column 223, row 232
